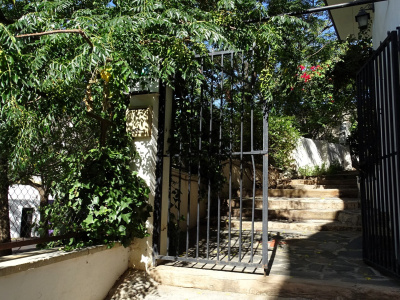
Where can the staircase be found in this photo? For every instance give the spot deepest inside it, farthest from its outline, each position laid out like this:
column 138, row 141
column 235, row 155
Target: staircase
column 328, row 203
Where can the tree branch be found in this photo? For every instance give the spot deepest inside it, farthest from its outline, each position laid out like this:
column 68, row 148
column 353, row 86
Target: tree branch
column 318, row 50
column 325, row 28
column 77, row 31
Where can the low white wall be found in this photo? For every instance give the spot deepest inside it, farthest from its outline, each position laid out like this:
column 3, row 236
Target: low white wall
column 80, row 275
column 310, row 153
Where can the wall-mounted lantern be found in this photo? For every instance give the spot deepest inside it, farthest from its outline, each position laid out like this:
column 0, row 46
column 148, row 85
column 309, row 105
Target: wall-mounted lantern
column 362, row 19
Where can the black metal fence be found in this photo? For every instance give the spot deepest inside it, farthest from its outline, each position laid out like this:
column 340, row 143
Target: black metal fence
column 379, row 133
column 217, row 124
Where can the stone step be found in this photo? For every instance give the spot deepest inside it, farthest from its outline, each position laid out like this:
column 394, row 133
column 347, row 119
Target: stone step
column 289, row 278
column 304, row 193
column 307, row 225
column 347, row 216
column 336, row 182
column 300, row 203
column 327, row 190
column 315, row 186
column 350, row 217
column 340, row 176
column 293, row 193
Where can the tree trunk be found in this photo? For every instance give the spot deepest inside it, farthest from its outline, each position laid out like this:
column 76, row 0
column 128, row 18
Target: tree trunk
column 44, row 201
column 4, row 210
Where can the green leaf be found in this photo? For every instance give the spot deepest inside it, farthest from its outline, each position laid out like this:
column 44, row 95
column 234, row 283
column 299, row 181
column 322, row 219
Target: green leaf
column 89, row 220
column 96, row 200
column 127, row 217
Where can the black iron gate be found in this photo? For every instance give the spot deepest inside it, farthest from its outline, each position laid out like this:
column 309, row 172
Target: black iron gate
column 379, row 133
column 215, row 160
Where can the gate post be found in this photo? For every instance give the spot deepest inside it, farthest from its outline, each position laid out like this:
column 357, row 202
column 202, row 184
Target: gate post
column 148, row 120
column 265, row 191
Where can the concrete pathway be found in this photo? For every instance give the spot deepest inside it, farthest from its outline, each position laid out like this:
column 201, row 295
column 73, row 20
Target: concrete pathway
column 304, row 265
column 136, row 284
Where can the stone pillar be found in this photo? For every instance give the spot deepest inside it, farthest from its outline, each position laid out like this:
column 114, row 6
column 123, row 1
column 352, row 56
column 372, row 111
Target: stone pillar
column 142, row 123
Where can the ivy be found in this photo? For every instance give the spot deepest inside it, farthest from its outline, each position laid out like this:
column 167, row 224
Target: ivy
column 101, row 199
column 283, row 139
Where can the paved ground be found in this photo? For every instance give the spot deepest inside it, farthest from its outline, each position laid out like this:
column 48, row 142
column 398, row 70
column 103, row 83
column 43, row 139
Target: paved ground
column 321, row 258
column 324, row 255
column 137, row 284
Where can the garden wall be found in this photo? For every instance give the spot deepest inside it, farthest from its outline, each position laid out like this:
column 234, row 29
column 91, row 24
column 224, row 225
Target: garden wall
column 86, row 274
column 311, row 153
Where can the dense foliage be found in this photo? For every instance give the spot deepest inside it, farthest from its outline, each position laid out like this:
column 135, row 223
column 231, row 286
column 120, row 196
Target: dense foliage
column 100, row 197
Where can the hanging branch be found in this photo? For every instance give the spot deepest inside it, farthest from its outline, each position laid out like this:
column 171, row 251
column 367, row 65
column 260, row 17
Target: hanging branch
column 77, row 31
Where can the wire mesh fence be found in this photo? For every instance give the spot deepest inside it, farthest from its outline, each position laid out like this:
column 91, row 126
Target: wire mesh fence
column 28, row 225
column 24, row 211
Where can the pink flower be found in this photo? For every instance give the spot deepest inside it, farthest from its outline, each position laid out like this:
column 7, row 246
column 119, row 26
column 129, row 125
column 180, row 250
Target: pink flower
column 302, row 67
column 313, row 68
column 306, row 77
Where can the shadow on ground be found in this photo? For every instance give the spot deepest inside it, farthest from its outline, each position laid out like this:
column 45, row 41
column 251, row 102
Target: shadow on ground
column 133, row 284
column 328, row 258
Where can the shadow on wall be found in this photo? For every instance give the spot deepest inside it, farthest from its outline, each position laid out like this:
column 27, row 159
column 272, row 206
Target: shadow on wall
column 145, row 144
column 146, row 158
column 315, row 153
column 248, row 174
column 181, row 179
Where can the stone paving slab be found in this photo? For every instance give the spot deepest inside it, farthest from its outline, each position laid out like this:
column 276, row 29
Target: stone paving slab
column 304, row 265
column 323, row 255
column 138, row 285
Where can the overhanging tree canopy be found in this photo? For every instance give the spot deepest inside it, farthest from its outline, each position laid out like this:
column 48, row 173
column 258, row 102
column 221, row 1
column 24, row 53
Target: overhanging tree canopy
column 63, row 60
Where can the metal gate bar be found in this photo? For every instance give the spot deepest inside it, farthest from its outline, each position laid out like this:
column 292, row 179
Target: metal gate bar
column 226, row 91
column 378, row 89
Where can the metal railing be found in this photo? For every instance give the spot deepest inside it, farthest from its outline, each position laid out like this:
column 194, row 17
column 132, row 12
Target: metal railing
column 378, row 95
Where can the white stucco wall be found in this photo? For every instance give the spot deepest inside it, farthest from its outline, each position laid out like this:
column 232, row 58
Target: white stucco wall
column 145, row 165
column 387, row 18
column 310, row 153
column 81, row 275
